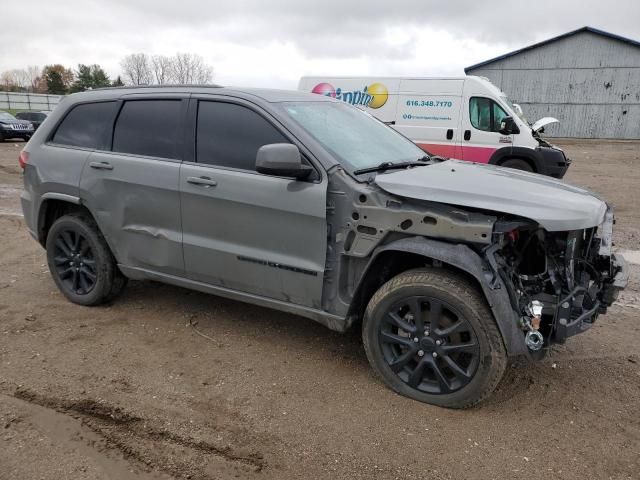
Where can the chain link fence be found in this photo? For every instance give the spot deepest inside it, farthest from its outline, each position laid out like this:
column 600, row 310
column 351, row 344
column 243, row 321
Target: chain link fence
column 28, row 101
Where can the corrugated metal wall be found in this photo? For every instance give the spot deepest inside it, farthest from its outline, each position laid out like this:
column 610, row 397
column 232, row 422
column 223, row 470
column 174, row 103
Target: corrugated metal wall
column 589, row 82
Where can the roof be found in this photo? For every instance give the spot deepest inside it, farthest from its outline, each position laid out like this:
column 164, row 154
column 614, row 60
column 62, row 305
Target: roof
column 266, row 94
column 596, row 31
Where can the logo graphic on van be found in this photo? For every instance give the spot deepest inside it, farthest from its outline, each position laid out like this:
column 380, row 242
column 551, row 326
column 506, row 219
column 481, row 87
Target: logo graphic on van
column 372, row 96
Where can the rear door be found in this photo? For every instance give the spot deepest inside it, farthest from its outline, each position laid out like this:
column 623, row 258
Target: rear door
column 428, row 113
column 132, row 186
column 243, row 230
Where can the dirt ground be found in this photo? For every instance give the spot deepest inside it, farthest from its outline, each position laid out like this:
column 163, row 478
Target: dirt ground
column 132, row 391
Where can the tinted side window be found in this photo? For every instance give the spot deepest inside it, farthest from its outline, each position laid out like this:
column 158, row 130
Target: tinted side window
column 485, row 114
column 230, row 135
column 86, row 125
column 148, row 127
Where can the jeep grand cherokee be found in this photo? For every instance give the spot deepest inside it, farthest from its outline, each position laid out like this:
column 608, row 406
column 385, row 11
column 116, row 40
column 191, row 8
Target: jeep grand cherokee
column 307, row 205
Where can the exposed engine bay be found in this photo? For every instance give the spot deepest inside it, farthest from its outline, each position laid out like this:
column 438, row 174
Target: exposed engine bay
column 558, row 282
column 546, row 272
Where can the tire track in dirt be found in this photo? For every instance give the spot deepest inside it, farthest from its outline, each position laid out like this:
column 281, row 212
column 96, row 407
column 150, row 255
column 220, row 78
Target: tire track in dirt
column 152, row 447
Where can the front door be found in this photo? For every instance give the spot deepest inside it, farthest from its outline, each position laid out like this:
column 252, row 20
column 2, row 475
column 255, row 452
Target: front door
column 243, row 230
column 481, row 129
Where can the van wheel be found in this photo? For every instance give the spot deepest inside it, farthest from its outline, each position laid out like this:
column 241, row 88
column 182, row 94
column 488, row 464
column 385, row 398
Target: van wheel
column 81, row 263
column 430, row 336
column 517, row 164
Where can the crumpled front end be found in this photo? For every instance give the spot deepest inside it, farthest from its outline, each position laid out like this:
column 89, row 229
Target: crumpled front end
column 558, row 282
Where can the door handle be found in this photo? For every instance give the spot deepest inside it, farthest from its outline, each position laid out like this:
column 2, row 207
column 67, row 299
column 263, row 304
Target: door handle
column 392, row 122
column 467, row 134
column 203, row 181
column 450, row 134
column 101, row 165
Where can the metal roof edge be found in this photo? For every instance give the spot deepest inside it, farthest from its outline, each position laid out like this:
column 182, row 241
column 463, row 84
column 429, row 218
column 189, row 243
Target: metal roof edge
column 553, row 39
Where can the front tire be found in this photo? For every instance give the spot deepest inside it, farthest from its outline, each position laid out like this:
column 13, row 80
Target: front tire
column 430, row 336
column 517, row 164
column 81, row 262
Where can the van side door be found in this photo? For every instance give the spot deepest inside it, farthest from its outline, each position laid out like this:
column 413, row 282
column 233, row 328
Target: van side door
column 428, row 113
column 132, row 185
column 242, row 230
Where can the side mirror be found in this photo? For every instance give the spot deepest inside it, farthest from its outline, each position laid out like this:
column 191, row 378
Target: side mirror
column 508, row 126
column 281, row 160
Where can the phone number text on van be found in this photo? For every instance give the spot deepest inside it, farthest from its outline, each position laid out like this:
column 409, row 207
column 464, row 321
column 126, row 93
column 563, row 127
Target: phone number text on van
column 429, row 103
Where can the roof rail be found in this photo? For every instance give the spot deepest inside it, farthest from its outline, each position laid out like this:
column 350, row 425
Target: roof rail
column 173, row 85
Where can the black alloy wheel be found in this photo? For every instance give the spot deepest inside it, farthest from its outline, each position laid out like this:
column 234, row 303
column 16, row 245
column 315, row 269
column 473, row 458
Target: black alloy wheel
column 74, row 261
column 429, row 345
column 80, row 261
column 430, row 335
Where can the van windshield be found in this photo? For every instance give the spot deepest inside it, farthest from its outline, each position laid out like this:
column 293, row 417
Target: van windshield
column 356, row 139
column 514, row 108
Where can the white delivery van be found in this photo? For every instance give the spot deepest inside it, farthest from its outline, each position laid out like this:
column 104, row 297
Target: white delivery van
column 466, row 118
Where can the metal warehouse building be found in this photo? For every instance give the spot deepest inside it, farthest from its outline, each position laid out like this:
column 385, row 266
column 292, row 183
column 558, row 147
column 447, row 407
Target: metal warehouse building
column 588, row 79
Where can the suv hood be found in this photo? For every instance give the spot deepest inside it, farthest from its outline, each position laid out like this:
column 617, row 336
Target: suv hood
column 543, row 122
column 553, row 204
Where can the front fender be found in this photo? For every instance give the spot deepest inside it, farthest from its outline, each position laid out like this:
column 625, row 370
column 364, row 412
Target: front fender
column 463, row 258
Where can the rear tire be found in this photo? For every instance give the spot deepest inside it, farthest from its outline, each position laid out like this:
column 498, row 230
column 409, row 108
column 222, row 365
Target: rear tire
column 517, row 164
column 81, row 262
column 450, row 354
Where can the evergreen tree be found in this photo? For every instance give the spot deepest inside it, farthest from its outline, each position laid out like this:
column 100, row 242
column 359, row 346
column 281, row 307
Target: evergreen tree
column 57, row 78
column 89, row 77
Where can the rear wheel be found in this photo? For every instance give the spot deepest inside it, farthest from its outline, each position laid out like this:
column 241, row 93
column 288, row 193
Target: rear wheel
column 81, row 263
column 517, row 164
column 430, row 336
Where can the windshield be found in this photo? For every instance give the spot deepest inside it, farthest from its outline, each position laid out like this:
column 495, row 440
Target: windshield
column 7, row 117
column 354, row 137
column 515, row 108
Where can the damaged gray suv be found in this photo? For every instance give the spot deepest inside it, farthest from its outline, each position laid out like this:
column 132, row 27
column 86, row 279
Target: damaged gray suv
column 307, row 205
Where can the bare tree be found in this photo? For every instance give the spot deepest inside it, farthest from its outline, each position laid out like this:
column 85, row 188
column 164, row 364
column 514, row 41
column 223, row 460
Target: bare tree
column 190, row 68
column 6, row 79
column 15, row 80
column 162, row 67
column 33, row 76
column 136, row 69
column 22, row 76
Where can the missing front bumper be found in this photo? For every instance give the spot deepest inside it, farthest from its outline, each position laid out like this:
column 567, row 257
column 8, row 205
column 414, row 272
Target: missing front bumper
column 568, row 324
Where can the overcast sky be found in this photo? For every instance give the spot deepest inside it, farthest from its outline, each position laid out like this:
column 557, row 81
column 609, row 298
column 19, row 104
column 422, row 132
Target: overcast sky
column 274, row 42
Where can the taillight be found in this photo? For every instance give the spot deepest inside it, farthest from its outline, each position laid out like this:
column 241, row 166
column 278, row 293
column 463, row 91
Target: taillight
column 23, row 158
